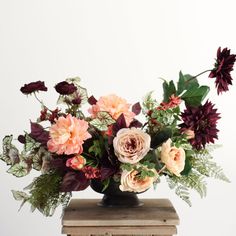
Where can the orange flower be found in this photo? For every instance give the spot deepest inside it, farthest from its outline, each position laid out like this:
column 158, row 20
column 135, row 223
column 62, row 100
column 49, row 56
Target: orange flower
column 115, row 106
column 77, row 162
column 67, row 135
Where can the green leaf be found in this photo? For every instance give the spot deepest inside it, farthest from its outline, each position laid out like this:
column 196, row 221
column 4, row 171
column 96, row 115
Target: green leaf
column 75, row 80
column 168, row 89
column 160, row 137
column 205, row 166
column 96, row 148
column 149, row 165
column 102, row 121
column 106, row 183
column 98, row 124
column 19, row 169
column 10, row 153
column 194, row 97
column 126, row 166
column 148, row 102
column 37, row 162
column 186, row 82
column 105, row 118
column 19, row 195
column 30, row 143
column 150, row 173
column 187, row 167
column 82, row 92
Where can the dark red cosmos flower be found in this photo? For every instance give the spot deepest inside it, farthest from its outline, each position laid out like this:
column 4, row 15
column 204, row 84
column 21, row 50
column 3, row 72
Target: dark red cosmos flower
column 223, row 66
column 33, row 87
column 202, row 120
column 64, row 88
column 77, row 100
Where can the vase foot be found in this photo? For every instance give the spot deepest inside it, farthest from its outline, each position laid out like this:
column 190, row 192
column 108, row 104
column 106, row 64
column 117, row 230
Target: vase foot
column 120, row 201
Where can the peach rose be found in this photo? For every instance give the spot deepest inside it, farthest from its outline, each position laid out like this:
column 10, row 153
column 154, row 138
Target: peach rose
column 115, row 106
column 173, row 157
column 77, row 162
column 131, row 145
column 132, row 183
column 67, row 135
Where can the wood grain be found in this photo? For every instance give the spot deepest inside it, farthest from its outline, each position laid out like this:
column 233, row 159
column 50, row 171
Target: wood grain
column 84, row 217
column 85, row 212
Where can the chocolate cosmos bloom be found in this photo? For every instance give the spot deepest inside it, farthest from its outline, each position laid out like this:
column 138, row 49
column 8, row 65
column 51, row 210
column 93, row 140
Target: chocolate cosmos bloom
column 33, row 87
column 77, row 101
column 223, row 66
column 64, row 88
column 202, row 120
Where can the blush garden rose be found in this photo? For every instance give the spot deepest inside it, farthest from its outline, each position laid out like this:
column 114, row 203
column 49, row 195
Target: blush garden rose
column 131, row 145
column 173, row 157
column 131, row 181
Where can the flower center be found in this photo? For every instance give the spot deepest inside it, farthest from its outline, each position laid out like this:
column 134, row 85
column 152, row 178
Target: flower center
column 131, row 144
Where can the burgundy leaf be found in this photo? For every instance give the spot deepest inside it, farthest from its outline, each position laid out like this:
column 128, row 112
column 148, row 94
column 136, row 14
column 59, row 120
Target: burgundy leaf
column 106, row 172
column 135, row 123
column 59, row 164
column 120, row 123
column 39, row 134
column 136, row 108
column 92, row 100
column 74, row 181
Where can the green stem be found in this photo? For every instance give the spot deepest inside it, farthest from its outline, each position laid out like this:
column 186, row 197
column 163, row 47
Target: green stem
column 41, row 102
column 187, row 81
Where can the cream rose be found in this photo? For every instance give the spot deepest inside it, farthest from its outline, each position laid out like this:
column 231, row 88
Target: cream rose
column 173, row 157
column 131, row 183
column 131, row 145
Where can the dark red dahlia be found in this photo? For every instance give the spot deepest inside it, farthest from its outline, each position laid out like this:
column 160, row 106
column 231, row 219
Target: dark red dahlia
column 91, row 172
column 223, row 66
column 64, row 88
column 202, row 120
column 33, row 87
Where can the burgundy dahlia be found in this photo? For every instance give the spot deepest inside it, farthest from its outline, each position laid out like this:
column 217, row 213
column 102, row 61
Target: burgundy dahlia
column 91, row 172
column 33, row 87
column 64, row 88
column 223, row 66
column 202, row 120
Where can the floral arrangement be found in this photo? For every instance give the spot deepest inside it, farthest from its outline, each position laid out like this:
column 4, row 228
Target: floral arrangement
column 72, row 146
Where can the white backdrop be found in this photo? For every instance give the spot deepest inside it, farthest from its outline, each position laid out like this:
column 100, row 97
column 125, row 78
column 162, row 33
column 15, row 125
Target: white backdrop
column 122, row 47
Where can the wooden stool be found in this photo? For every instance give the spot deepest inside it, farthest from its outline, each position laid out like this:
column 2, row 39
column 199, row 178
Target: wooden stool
column 85, row 217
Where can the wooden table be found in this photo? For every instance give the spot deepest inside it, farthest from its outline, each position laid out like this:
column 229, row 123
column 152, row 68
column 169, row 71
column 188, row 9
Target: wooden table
column 155, row 217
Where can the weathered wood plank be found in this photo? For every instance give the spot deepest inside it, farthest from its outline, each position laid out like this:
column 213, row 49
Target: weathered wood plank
column 154, row 212
column 124, row 230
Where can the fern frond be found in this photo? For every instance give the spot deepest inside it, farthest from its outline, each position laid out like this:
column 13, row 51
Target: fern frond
column 180, row 190
column 208, row 168
column 183, row 193
column 193, row 180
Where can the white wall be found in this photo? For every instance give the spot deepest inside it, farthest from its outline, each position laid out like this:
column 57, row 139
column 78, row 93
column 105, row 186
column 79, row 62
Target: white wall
column 110, row 45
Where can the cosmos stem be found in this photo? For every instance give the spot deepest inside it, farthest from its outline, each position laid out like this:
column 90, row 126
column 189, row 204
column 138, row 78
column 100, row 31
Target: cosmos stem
column 205, row 71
